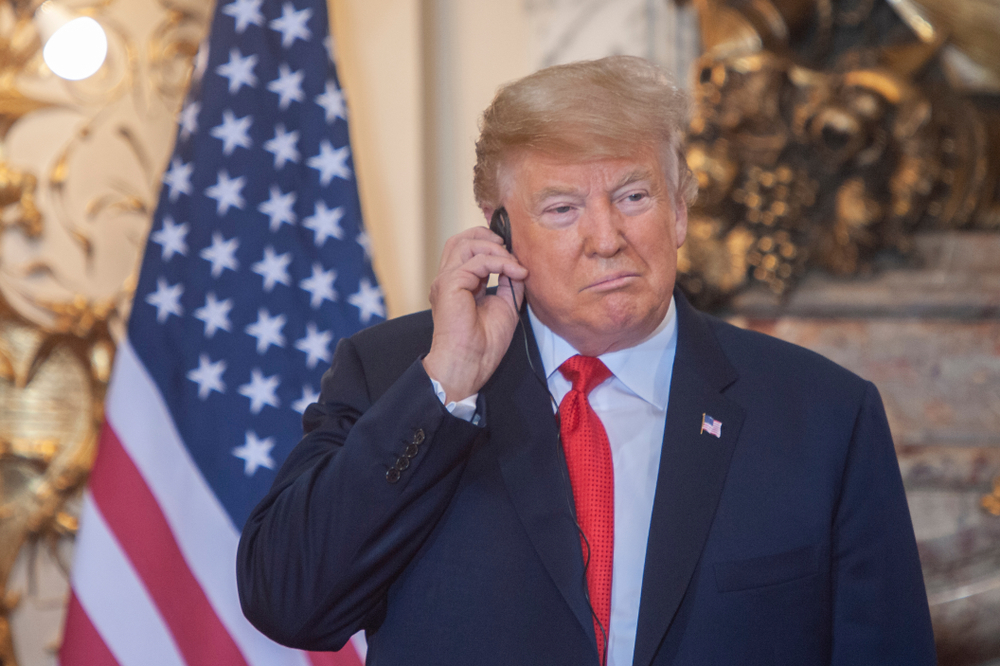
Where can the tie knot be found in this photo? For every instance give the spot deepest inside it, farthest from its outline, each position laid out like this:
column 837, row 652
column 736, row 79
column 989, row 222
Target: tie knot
column 585, row 372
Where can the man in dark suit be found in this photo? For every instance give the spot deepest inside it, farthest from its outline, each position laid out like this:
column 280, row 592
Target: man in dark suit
column 704, row 495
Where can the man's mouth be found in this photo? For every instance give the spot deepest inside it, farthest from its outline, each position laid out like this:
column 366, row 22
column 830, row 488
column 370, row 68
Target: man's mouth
column 612, row 281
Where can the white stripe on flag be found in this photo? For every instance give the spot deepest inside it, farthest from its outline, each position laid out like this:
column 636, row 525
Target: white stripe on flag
column 203, row 530
column 360, row 645
column 120, row 609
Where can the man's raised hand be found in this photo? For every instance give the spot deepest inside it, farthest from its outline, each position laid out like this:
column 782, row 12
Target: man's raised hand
column 472, row 329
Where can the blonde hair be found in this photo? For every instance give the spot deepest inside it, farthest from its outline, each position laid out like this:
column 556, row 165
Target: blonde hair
column 594, row 109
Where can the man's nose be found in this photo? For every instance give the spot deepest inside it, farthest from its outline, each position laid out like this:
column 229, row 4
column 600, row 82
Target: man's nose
column 602, row 230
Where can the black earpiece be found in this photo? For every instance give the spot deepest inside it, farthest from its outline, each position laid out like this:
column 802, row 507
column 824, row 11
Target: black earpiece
column 500, row 225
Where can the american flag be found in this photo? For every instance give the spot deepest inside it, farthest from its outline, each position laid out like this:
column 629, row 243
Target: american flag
column 711, row 426
column 256, row 264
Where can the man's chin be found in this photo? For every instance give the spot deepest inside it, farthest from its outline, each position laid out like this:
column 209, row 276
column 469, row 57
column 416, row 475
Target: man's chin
column 612, row 331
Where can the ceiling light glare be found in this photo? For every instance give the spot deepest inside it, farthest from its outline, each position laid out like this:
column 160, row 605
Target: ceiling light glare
column 77, row 49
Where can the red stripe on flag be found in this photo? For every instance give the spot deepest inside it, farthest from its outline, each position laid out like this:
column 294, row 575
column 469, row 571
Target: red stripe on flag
column 81, row 642
column 142, row 531
column 347, row 656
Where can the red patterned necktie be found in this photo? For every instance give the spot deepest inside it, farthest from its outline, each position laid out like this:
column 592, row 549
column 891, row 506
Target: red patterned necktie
column 591, row 473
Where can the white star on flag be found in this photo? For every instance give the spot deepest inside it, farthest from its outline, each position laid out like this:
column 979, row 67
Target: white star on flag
column 331, row 48
column 171, row 238
column 239, row 71
column 325, row 223
column 267, row 330
column 233, row 132
column 246, row 13
column 200, row 64
column 227, row 191
column 331, row 163
column 316, row 345
column 261, row 390
column 292, row 24
column 365, row 241
column 188, row 119
column 178, row 178
column 368, row 299
column 255, row 453
column 221, row 254
column 215, row 314
column 288, row 86
column 320, row 285
column 279, row 208
column 166, row 299
column 273, row 268
column 308, row 397
column 208, row 376
column 283, row 146
column 332, row 101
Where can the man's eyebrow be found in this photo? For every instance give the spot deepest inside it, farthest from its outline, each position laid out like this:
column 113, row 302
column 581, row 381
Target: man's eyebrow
column 639, row 173
column 554, row 191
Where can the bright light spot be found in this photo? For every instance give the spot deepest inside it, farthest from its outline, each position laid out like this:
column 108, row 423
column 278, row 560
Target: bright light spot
column 76, row 50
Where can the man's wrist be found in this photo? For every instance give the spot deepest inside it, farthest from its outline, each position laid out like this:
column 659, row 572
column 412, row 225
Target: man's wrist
column 464, row 409
column 455, row 389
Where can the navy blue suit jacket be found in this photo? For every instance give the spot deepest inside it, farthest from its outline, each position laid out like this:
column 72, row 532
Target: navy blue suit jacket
column 787, row 540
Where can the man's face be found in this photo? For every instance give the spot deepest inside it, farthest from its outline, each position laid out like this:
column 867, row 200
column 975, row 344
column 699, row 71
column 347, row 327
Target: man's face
column 599, row 240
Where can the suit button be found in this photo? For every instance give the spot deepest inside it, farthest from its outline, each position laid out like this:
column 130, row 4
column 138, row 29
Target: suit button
column 392, row 476
column 411, row 451
column 402, row 463
column 418, row 437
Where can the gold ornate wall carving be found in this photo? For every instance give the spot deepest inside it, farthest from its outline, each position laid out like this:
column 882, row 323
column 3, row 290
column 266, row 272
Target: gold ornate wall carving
column 80, row 166
column 825, row 134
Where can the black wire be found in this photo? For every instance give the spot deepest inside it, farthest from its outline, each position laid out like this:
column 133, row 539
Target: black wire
column 562, row 468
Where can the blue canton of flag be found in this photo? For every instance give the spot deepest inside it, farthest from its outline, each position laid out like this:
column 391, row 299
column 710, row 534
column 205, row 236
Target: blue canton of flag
column 257, row 262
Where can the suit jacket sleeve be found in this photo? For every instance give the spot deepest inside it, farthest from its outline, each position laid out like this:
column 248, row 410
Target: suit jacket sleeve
column 880, row 609
column 319, row 552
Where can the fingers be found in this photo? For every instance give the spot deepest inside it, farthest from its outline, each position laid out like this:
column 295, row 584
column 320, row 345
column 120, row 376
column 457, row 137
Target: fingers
column 483, row 265
column 468, row 260
column 472, row 275
column 463, row 246
column 511, row 291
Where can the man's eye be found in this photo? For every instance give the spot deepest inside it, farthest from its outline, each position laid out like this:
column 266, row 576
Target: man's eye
column 562, row 210
column 636, row 196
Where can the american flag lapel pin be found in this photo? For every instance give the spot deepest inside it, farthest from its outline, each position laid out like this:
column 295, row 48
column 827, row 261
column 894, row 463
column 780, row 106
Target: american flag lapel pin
column 711, row 426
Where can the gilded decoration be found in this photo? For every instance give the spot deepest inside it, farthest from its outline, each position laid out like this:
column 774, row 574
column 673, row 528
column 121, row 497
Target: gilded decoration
column 80, row 165
column 825, row 134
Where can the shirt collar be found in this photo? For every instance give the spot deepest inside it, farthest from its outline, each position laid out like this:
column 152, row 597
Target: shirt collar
column 644, row 369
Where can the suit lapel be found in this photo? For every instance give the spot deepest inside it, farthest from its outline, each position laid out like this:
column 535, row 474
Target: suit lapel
column 693, row 467
column 525, row 439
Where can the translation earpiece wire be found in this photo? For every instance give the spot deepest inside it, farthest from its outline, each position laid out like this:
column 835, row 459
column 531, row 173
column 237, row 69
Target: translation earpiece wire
column 562, row 469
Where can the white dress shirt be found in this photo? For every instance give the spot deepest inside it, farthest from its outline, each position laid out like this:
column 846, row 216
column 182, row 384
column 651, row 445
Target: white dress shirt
column 632, row 405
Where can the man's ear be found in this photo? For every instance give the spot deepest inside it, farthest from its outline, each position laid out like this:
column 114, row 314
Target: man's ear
column 487, row 213
column 681, row 222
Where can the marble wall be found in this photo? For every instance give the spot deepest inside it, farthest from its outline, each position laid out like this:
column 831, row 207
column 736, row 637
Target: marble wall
column 567, row 30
